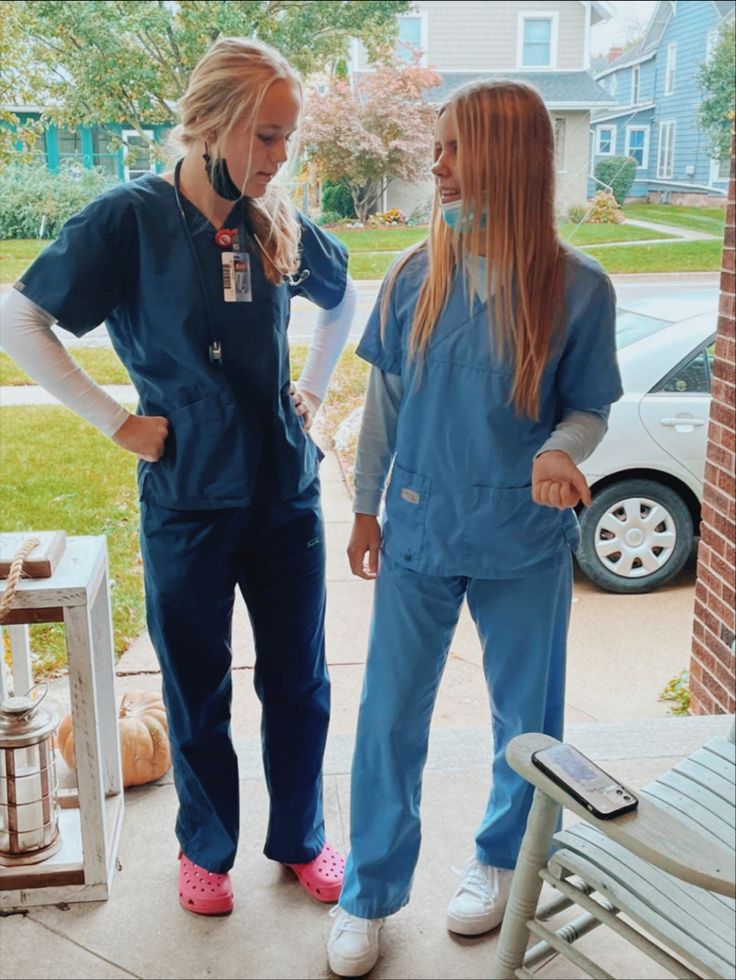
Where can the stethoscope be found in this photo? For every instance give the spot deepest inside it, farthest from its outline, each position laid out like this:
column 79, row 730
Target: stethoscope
column 215, row 346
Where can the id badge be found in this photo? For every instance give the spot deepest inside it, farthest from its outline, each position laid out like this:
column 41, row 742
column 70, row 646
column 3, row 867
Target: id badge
column 236, row 277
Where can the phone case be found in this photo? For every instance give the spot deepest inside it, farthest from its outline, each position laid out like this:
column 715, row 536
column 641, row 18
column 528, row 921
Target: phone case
column 612, row 799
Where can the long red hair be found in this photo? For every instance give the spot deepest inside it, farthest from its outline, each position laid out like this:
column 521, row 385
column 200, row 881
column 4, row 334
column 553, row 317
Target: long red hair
column 505, row 165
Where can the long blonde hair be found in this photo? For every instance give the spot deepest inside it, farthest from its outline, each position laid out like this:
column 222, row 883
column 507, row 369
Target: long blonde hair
column 226, row 89
column 505, row 165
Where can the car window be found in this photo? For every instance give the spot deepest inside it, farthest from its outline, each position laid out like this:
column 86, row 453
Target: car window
column 693, row 375
column 710, row 354
column 631, row 327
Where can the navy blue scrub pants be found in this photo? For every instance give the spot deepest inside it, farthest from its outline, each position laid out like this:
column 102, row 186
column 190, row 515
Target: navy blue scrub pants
column 193, row 561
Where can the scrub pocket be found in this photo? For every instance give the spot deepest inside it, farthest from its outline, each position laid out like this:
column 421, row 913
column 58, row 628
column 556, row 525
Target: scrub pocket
column 406, row 512
column 507, row 533
column 204, row 457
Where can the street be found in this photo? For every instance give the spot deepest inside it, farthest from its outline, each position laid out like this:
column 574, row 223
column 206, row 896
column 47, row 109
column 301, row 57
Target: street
column 303, row 313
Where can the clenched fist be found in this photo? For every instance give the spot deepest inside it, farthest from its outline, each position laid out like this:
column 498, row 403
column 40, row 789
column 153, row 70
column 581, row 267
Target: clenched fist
column 143, row 435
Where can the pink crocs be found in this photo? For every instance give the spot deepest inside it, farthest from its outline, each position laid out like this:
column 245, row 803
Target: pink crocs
column 322, row 876
column 201, row 891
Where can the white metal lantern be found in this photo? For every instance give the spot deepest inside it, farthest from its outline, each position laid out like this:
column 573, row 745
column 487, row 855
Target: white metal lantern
column 29, row 805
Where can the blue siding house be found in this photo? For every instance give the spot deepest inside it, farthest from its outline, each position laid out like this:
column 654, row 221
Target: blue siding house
column 656, row 90
column 115, row 149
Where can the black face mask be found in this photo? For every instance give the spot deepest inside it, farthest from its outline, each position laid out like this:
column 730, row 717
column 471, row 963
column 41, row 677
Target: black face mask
column 219, row 177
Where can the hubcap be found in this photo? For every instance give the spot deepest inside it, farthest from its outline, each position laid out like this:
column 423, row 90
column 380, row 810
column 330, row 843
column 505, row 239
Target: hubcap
column 635, row 537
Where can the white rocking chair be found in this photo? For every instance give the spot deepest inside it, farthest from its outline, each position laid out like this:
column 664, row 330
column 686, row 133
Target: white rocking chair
column 668, row 867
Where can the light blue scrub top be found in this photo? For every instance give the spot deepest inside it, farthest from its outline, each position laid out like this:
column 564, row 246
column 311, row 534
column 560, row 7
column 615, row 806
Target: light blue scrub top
column 234, row 435
column 459, row 499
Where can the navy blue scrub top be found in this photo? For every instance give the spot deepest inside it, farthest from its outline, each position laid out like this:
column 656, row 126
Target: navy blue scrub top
column 459, row 501
column 234, row 434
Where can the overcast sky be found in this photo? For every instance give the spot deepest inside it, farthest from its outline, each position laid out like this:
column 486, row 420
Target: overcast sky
column 622, row 26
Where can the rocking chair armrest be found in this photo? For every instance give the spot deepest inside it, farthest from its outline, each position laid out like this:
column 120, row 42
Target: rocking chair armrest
column 651, row 832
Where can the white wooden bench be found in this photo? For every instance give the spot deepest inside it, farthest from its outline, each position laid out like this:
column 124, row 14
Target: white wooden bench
column 668, row 868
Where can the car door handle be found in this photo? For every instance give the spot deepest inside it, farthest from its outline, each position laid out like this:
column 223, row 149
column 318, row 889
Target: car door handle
column 683, row 420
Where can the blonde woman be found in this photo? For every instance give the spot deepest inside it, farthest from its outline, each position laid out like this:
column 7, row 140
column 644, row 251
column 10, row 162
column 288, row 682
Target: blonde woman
column 193, row 271
column 493, row 358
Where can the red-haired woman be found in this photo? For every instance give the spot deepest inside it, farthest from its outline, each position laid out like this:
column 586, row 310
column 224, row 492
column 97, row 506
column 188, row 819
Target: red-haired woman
column 494, row 365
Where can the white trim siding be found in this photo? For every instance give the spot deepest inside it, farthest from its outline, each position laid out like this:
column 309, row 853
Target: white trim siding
column 127, row 134
column 560, row 132
column 644, row 147
column 622, row 112
column 715, row 170
column 614, row 67
column 611, row 151
column 524, row 17
column 669, row 75
column 666, row 149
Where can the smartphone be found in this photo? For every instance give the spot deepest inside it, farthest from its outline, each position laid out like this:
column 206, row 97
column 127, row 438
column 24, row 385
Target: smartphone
column 585, row 781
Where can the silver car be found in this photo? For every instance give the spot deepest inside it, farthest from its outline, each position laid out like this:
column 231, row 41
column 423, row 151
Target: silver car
column 647, row 474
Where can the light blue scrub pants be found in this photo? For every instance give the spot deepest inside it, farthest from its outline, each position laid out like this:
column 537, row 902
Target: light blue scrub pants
column 522, row 624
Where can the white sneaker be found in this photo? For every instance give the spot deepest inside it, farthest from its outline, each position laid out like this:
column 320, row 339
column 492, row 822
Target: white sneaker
column 480, row 902
column 352, row 948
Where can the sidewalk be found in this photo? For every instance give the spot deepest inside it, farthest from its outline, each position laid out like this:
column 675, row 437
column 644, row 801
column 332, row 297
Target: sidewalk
column 690, row 234
column 622, row 651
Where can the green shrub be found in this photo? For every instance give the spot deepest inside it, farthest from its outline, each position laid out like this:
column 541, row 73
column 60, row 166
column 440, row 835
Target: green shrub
column 421, row 214
column 577, row 214
column 618, row 173
column 678, row 691
column 337, row 197
column 28, row 194
column 605, row 210
column 329, row 218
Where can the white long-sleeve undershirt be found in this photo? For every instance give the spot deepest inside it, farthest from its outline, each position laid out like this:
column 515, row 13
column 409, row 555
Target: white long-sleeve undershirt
column 27, row 337
column 328, row 340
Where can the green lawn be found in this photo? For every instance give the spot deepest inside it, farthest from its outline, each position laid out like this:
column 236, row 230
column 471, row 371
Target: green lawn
column 379, row 239
column 101, row 363
column 370, row 265
column 373, row 250
column 597, row 234
column 680, row 257
column 61, row 473
column 618, row 259
column 708, row 220
column 17, row 255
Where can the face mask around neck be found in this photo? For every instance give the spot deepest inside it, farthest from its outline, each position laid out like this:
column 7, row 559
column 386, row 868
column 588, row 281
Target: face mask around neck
column 219, row 177
column 452, row 215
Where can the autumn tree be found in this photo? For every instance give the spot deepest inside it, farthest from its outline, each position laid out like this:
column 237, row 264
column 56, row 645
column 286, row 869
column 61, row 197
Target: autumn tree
column 19, row 85
column 128, row 61
column 376, row 127
column 716, row 114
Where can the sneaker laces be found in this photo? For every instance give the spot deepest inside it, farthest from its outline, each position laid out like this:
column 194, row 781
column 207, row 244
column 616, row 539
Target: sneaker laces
column 478, row 880
column 349, row 923
column 346, row 922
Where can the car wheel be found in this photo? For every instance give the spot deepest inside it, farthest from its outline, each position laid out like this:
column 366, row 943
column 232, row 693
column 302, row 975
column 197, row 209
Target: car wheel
column 635, row 536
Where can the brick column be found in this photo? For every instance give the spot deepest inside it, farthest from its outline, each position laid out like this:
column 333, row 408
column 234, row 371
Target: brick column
column 713, row 664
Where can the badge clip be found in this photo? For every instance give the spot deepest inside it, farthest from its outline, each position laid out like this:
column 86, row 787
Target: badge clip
column 216, row 352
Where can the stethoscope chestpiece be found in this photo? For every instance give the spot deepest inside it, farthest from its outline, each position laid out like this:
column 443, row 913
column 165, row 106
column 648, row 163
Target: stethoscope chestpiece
column 292, row 280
